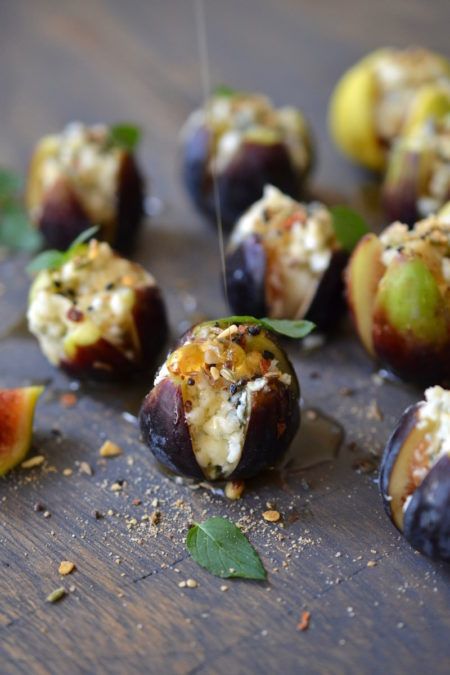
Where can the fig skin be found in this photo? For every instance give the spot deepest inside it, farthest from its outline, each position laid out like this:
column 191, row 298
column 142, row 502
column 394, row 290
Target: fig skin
column 427, row 518
column 101, row 359
column 394, row 447
column 245, row 277
column 401, row 187
column 242, row 182
column 63, row 216
column 16, row 424
column 272, row 423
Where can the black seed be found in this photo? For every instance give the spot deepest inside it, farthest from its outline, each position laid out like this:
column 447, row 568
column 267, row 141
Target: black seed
column 254, row 330
column 97, row 515
column 233, row 388
column 109, row 286
column 191, row 381
column 268, row 355
column 39, row 506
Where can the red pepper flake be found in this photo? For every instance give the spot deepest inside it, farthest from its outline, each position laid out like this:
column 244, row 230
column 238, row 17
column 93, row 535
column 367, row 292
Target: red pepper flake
column 303, row 624
column 265, row 365
column 68, row 400
column 296, row 217
column 281, row 428
column 75, row 315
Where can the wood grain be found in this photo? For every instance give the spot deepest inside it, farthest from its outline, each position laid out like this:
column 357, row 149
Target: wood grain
column 138, row 60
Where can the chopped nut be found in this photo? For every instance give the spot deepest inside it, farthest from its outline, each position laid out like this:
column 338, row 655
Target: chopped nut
column 181, row 584
column 303, row 624
column 271, row 516
column 46, row 514
column 374, row 412
column 155, row 517
column 56, row 595
column 116, row 487
column 110, row 449
column 223, row 588
column 234, row 489
column 66, row 567
column 86, row 468
column 214, row 373
column 371, row 563
column 155, row 502
column 68, row 400
column 228, row 332
column 37, row 460
column 67, row 472
column 191, row 583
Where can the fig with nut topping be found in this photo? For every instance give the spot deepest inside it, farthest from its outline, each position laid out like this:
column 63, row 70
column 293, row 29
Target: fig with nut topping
column 415, row 474
column 224, row 405
column 386, row 95
column 243, row 142
column 86, row 176
column 96, row 313
column 284, row 260
column 398, row 289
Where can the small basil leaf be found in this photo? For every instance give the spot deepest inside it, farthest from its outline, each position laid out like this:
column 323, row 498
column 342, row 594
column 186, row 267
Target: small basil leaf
column 293, row 329
column 221, row 548
column 126, row 136
column 348, row 226
column 82, row 237
column 47, row 260
column 223, row 90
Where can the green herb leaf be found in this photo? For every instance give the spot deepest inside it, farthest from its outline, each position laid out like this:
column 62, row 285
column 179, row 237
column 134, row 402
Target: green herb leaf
column 293, row 329
column 348, row 226
column 16, row 231
column 223, row 90
column 56, row 595
column 53, row 259
column 126, row 136
column 221, row 548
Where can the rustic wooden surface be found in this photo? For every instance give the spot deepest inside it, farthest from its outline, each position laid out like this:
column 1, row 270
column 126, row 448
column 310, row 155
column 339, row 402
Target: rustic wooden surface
column 111, row 60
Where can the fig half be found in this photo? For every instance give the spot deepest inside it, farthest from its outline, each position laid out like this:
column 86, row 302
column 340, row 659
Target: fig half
column 415, row 475
column 16, row 424
column 237, row 144
column 98, row 315
column 81, row 178
column 284, row 261
column 224, row 404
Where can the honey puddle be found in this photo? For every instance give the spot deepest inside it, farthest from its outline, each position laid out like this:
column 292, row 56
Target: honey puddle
column 317, row 441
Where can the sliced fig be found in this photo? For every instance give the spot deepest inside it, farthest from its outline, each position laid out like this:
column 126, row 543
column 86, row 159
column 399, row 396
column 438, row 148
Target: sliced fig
column 224, row 404
column 16, row 424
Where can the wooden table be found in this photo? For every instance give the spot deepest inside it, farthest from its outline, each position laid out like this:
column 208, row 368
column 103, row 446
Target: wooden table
column 125, row 611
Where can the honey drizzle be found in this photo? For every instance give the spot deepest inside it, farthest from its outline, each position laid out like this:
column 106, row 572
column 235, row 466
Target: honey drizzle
column 203, row 54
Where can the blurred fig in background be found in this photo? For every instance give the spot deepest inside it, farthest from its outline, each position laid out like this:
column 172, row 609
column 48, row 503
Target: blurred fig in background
column 415, row 474
column 87, row 176
column 245, row 142
column 225, row 404
column 97, row 314
column 398, row 289
column 383, row 96
column 417, row 181
column 284, row 261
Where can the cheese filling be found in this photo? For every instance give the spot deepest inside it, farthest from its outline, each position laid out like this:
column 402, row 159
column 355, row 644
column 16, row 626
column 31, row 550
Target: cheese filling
column 92, row 294
column 399, row 74
column 240, row 117
column 434, row 416
column 429, row 239
column 220, row 372
column 299, row 241
column 82, row 156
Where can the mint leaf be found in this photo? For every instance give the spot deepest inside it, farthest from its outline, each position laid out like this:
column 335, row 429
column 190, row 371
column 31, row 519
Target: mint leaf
column 53, row 259
column 293, row 329
column 348, row 226
column 16, row 231
column 221, row 548
column 223, row 90
column 126, row 136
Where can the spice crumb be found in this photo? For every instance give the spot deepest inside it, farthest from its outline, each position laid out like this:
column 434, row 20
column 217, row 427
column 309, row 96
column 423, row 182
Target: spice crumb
column 181, row 584
column 110, row 449
column 371, row 563
column 223, row 588
column 66, row 567
column 67, row 472
column 116, row 487
column 86, row 468
column 68, row 400
column 191, row 583
column 271, row 516
column 303, row 624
